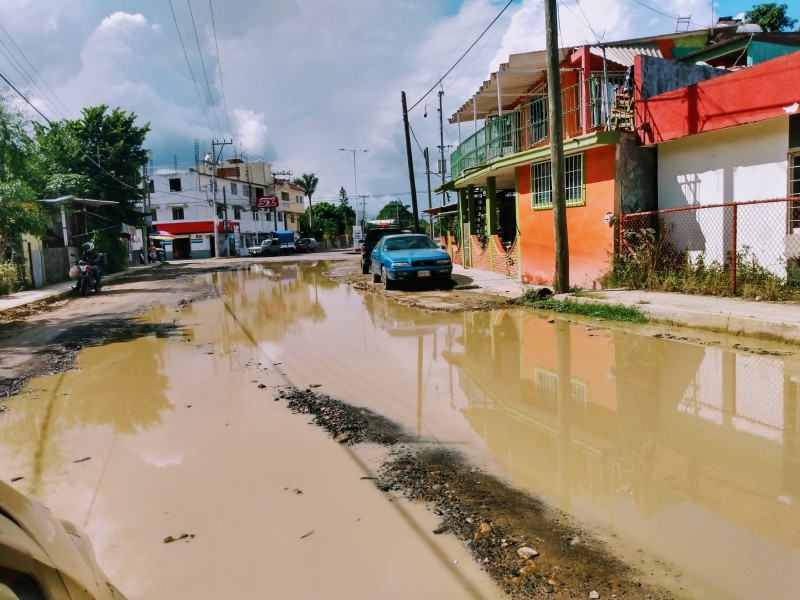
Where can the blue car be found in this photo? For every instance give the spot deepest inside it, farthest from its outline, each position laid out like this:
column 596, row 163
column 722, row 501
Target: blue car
column 409, row 257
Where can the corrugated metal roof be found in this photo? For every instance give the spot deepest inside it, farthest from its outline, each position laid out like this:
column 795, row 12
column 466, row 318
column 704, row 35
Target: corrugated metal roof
column 516, row 78
column 624, row 55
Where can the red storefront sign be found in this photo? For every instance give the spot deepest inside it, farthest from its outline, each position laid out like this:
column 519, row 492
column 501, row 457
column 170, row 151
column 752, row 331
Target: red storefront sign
column 267, row 202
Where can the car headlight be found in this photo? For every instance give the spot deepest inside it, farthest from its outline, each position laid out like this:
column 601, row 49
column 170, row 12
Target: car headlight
column 443, row 261
column 399, row 264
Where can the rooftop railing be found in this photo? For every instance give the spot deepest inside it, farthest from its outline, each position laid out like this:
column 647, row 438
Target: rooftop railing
column 528, row 126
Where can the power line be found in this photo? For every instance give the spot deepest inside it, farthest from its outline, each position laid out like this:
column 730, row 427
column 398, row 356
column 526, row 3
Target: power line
column 21, row 95
column 413, row 106
column 219, row 67
column 203, row 65
column 14, row 62
column 50, row 123
column 583, row 20
column 189, row 64
column 663, row 14
column 52, row 93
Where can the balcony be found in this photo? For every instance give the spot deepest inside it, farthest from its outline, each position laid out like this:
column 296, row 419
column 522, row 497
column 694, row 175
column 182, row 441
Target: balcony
column 527, row 126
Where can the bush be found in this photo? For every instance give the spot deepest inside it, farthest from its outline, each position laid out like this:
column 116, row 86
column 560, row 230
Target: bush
column 9, row 279
column 649, row 262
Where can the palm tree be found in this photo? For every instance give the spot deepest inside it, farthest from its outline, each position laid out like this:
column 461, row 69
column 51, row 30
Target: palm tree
column 308, row 183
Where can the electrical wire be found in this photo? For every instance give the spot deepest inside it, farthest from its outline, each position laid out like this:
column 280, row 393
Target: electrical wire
column 413, row 106
column 189, row 64
column 663, row 14
column 219, row 67
column 50, row 123
column 5, row 51
column 52, row 93
column 582, row 20
column 203, row 65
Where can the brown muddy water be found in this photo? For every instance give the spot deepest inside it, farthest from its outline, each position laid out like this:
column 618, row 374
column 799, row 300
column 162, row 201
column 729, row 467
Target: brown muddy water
column 683, row 455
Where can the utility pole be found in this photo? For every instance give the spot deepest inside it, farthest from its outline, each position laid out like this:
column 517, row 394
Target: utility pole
column 441, row 144
column 428, row 174
column 211, row 161
column 410, row 162
column 363, row 211
column 355, row 172
column 561, row 283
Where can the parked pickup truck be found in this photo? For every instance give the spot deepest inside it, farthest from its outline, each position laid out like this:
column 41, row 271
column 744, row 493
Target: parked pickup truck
column 265, row 248
column 372, row 237
column 277, row 242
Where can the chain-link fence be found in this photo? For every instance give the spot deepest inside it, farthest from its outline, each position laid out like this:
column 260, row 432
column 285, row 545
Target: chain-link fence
column 743, row 248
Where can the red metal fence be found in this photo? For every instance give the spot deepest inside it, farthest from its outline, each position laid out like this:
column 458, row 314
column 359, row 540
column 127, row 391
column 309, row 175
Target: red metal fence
column 759, row 238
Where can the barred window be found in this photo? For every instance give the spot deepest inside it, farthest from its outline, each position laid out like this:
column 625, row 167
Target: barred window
column 542, row 183
column 794, row 190
column 234, row 189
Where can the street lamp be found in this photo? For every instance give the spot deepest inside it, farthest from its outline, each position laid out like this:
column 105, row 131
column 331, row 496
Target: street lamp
column 355, row 174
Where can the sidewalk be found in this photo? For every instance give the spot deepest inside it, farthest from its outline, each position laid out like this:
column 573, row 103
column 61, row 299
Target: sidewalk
column 765, row 320
column 56, row 291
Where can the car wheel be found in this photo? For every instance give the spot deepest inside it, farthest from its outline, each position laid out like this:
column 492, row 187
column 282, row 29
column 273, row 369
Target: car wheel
column 376, row 277
column 388, row 284
column 364, row 267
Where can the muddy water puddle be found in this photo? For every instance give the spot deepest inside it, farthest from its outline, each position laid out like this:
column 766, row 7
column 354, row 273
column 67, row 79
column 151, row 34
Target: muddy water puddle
column 686, row 453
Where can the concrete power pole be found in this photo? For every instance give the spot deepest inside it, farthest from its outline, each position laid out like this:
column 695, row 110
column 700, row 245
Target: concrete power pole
column 561, row 283
column 442, row 164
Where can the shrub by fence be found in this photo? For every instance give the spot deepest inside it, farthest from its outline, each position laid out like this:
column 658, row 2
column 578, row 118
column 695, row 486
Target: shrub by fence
column 9, row 278
column 745, row 248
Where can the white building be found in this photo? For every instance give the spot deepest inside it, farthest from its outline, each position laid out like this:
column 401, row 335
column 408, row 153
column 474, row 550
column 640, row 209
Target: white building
column 183, row 204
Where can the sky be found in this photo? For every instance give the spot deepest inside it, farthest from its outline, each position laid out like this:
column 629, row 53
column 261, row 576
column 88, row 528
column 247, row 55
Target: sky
column 293, row 82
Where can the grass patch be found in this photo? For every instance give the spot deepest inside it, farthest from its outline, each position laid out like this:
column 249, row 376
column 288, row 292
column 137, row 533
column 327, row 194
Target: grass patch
column 611, row 312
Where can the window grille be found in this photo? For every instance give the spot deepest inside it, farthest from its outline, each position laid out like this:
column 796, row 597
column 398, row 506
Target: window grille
column 794, row 190
column 542, row 183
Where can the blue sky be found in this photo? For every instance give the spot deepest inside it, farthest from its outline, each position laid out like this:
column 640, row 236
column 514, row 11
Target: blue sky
column 300, row 79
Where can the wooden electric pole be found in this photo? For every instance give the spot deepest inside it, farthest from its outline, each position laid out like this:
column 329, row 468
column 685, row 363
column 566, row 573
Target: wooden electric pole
column 410, row 164
column 559, row 194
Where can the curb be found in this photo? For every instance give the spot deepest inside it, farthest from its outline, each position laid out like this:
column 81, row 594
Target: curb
column 706, row 321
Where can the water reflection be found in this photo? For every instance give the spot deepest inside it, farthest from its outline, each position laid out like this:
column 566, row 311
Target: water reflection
column 656, row 438
column 118, row 385
column 691, row 452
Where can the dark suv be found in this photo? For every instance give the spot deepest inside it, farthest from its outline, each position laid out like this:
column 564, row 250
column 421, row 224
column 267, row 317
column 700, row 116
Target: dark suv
column 374, row 234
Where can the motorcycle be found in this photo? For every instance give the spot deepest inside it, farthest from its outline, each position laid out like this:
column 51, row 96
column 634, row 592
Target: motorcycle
column 83, row 273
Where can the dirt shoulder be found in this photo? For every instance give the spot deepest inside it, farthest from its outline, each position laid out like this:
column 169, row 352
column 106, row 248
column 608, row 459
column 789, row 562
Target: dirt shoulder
column 461, row 297
column 528, row 548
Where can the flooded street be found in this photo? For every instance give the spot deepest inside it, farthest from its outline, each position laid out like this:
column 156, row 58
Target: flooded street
column 684, row 455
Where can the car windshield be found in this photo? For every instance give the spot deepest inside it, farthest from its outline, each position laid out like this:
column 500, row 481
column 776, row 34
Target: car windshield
column 416, row 242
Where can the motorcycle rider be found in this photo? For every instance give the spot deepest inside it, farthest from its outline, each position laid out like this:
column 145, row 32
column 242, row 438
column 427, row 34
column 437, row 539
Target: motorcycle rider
column 90, row 255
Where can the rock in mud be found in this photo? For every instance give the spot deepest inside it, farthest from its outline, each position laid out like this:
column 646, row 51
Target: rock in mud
column 526, row 552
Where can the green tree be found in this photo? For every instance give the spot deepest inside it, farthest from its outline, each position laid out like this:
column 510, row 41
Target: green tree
column 399, row 212
column 98, row 156
column 19, row 211
column 346, row 216
column 308, row 183
column 771, row 17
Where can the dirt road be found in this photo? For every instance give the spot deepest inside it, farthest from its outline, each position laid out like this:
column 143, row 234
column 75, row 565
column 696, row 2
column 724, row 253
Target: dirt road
column 529, row 550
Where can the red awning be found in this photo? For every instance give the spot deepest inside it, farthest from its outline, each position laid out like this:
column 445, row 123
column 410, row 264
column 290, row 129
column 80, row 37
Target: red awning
column 193, row 226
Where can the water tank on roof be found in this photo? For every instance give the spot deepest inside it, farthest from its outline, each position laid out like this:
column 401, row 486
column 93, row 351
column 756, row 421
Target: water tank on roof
column 749, row 28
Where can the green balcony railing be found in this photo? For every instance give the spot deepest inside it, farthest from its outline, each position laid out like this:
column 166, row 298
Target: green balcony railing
column 527, row 126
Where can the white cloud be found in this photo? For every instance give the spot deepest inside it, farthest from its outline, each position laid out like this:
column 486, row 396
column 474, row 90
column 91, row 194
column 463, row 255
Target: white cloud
column 249, row 129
